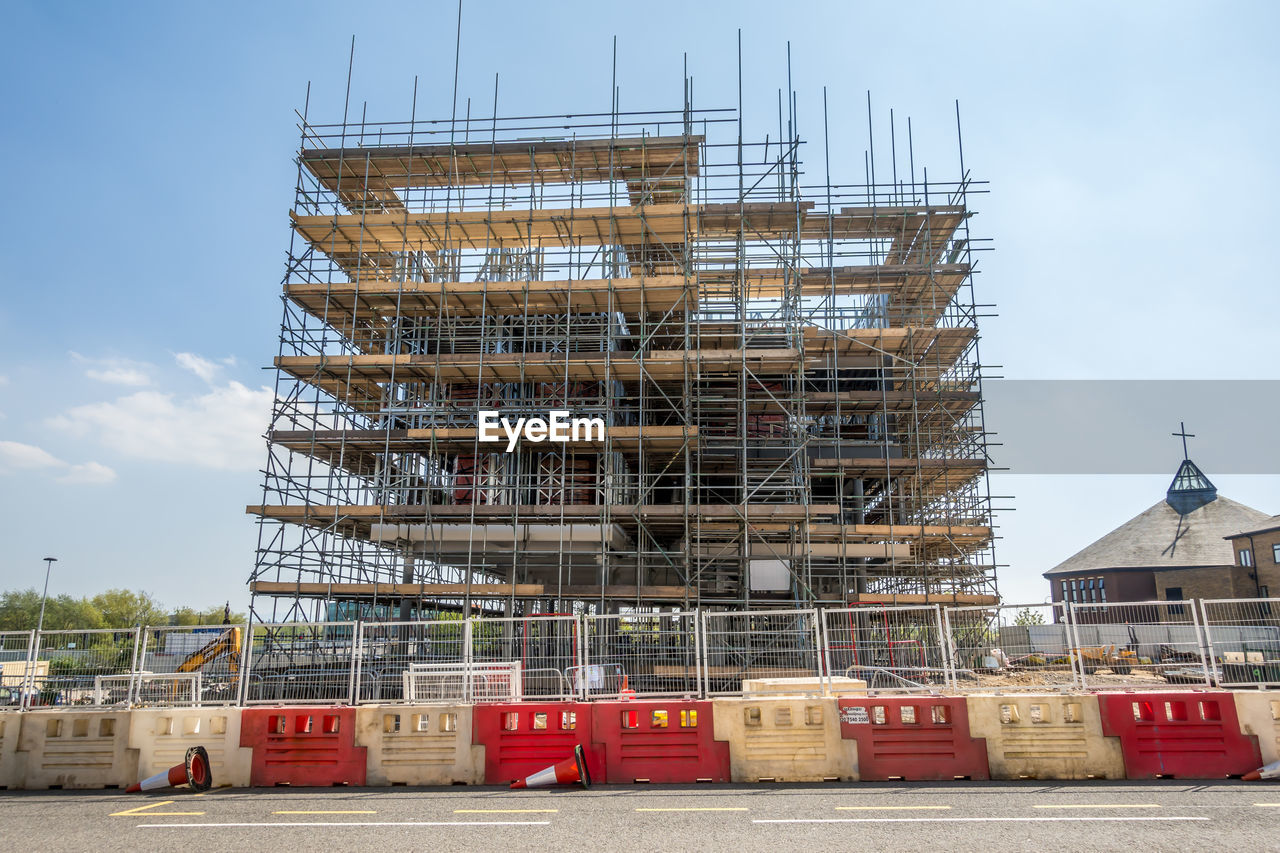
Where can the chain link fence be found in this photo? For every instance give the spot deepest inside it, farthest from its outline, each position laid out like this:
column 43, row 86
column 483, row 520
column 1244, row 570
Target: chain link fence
column 15, row 666
column 548, row 649
column 389, row 650
column 169, row 657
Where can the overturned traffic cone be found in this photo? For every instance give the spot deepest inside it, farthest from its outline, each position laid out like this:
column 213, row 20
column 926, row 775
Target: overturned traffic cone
column 573, row 770
column 1271, row 771
column 193, row 771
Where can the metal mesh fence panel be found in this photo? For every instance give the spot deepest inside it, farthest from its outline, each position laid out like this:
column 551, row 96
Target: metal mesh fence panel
column 1010, row 647
column 67, row 662
column 390, row 649
column 300, row 663
column 15, row 666
column 546, row 647
column 1243, row 639
column 750, row 645
column 890, row 648
column 1150, row 644
column 647, row 654
column 212, row 651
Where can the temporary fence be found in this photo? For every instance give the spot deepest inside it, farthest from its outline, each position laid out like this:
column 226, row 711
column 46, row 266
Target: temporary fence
column 676, row 654
column 300, row 663
column 64, row 667
column 898, row 649
column 15, row 663
column 1010, row 647
column 1152, row 644
column 1243, row 637
column 750, row 645
column 640, row 654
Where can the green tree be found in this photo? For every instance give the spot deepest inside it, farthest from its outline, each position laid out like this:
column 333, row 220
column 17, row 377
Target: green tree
column 1027, row 616
column 208, row 616
column 122, row 608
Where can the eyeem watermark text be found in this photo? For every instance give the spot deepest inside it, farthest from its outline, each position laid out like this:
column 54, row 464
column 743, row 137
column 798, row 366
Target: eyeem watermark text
column 558, row 427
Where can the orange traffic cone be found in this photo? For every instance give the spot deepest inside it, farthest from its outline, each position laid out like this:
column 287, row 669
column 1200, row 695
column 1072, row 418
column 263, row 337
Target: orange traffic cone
column 1271, row 771
column 573, row 770
column 626, row 694
column 193, row 771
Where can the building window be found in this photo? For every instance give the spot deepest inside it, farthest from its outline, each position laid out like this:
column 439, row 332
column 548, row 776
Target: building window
column 1174, row 593
column 1275, row 553
column 1246, row 557
column 1263, row 592
column 1102, row 590
column 1064, row 590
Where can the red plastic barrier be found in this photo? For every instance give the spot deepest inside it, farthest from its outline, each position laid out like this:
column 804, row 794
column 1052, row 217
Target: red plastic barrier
column 657, row 741
column 303, row 746
column 519, row 739
column 1182, row 735
column 913, row 738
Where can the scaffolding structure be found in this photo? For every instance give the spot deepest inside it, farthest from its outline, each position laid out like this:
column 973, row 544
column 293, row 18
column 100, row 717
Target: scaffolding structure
column 786, row 368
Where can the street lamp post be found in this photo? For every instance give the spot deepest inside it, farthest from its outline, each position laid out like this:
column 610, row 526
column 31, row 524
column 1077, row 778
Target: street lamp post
column 48, row 565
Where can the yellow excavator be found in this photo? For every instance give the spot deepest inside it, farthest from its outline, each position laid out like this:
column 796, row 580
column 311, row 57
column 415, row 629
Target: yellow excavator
column 1121, row 661
column 226, row 643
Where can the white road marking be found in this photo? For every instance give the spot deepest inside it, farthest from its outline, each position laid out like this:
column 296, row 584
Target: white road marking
column 700, row 809
column 968, row 819
column 892, row 808
column 1100, row 806
column 350, row 823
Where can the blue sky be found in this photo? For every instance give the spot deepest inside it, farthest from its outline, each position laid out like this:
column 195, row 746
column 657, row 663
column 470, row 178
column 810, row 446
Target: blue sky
column 1130, row 150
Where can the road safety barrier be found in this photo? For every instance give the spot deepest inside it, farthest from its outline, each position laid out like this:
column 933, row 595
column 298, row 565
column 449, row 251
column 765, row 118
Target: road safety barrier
column 1045, row 737
column 921, row 738
column 12, row 762
column 162, row 738
column 1179, row 735
column 303, row 746
column 658, row 741
column 77, row 749
column 419, row 745
column 1259, row 714
column 788, row 739
column 520, row 739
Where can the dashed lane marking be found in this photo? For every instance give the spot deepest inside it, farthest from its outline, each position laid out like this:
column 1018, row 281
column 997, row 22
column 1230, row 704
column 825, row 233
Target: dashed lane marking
column 505, row 811
column 291, row 823
column 1098, row 806
column 1091, row 818
column 700, row 809
column 892, row 808
column 144, row 810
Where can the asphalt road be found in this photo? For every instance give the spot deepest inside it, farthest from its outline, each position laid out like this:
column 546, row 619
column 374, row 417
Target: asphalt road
column 996, row 816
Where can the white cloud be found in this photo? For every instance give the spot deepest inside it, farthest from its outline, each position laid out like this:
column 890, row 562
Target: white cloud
column 219, row 429
column 115, row 371
column 119, row 376
column 199, row 365
column 88, row 474
column 14, row 455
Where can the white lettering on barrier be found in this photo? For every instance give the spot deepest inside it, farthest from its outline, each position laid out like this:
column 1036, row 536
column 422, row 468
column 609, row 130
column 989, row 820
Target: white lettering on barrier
column 558, row 427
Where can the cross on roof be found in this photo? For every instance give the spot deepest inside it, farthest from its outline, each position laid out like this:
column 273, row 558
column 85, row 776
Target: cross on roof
column 1182, row 431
